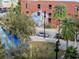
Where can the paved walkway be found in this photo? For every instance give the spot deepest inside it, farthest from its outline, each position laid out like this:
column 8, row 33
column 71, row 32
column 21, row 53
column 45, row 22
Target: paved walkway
column 51, row 39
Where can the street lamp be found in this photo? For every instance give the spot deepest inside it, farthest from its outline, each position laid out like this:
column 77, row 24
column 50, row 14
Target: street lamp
column 44, row 22
column 57, row 48
column 58, row 42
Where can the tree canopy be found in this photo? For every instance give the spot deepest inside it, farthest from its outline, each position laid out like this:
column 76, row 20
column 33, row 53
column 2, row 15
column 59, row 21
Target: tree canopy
column 68, row 28
column 21, row 24
column 59, row 12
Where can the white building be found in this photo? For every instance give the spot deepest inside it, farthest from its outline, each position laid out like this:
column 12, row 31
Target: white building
column 4, row 4
column 8, row 3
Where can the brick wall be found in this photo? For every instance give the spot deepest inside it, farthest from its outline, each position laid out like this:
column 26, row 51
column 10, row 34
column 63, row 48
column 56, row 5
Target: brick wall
column 32, row 6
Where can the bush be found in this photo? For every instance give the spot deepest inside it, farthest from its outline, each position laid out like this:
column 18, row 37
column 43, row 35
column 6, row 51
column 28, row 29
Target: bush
column 71, row 53
column 48, row 26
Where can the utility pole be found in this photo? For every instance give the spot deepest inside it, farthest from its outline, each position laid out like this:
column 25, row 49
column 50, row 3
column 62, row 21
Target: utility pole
column 44, row 22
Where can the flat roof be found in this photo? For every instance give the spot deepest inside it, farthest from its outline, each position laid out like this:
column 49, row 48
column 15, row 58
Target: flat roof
column 53, row 0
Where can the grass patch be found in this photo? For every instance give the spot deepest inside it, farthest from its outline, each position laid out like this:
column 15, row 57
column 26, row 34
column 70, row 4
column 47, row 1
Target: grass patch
column 43, row 50
column 36, row 50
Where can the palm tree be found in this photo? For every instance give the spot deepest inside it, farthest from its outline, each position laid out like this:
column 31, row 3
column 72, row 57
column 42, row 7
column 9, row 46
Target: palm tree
column 71, row 53
column 59, row 13
column 68, row 29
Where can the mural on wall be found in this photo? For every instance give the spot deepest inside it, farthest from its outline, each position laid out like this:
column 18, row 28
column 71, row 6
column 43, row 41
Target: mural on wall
column 38, row 17
column 9, row 40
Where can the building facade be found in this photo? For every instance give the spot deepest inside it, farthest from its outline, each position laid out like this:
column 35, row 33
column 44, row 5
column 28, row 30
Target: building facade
column 30, row 7
column 5, row 4
column 8, row 3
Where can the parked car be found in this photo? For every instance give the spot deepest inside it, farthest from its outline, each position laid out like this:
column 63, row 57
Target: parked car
column 3, row 10
column 41, row 34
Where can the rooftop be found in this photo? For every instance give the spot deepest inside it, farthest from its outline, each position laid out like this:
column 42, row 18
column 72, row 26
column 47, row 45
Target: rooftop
column 56, row 0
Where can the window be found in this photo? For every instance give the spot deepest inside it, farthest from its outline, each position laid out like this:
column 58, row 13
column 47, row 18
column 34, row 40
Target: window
column 38, row 13
column 26, row 5
column 49, row 14
column 39, row 6
column 77, row 8
column 44, row 13
column 76, row 15
column 49, row 20
column 27, row 12
column 50, row 6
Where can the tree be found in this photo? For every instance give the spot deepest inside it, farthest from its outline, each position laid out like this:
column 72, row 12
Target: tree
column 20, row 24
column 59, row 14
column 68, row 29
column 71, row 53
column 77, row 22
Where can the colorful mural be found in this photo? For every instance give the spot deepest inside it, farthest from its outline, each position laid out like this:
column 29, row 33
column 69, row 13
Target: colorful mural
column 8, row 40
column 38, row 17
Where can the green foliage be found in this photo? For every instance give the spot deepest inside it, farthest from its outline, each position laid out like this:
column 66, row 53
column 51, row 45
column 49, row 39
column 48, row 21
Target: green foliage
column 48, row 25
column 36, row 50
column 71, row 53
column 21, row 24
column 59, row 12
column 14, row 53
column 2, row 52
column 77, row 22
column 43, row 50
column 68, row 28
column 17, row 9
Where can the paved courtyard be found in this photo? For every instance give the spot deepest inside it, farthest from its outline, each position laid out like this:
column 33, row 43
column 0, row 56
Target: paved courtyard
column 52, row 33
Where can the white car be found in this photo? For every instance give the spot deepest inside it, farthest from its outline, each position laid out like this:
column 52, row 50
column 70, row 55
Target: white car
column 41, row 34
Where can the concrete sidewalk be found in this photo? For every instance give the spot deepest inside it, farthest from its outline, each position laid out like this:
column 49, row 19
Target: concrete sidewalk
column 52, row 32
column 53, row 40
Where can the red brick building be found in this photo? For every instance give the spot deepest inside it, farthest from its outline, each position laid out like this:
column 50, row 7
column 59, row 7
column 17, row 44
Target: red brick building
column 29, row 7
